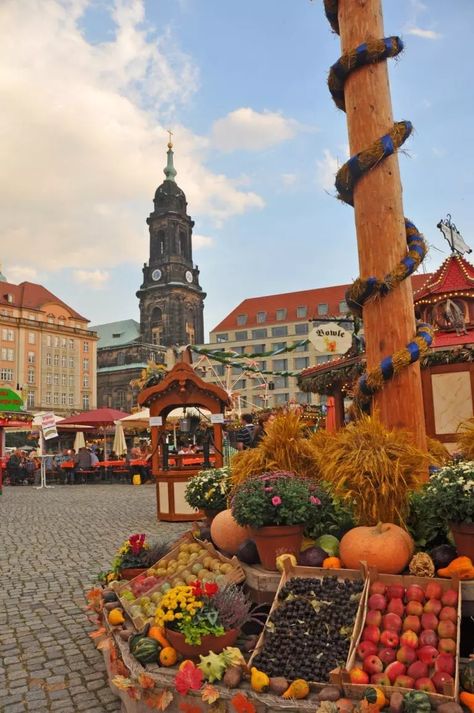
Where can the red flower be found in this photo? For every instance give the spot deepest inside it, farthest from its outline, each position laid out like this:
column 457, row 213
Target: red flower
column 210, row 588
column 196, row 588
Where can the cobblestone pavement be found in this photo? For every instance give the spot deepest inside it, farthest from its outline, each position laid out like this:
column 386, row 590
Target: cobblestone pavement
column 53, row 543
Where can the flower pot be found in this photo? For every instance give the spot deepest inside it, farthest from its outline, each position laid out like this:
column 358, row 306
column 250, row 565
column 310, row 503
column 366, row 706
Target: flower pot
column 463, row 534
column 208, row 643
column 276, row 540
column 131, row 572
column 210, row 515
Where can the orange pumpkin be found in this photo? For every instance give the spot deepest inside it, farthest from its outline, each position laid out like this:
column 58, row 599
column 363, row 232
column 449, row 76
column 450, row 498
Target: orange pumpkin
column 157, row 633
column 332, row 563
column 384, row 546
column 168, row 656
column 226, row 534
column 344, row 705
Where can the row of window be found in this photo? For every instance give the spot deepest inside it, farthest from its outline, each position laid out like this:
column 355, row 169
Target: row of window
column 281, row 315
column 64, row 399
column 262, row 333
column 8, row 335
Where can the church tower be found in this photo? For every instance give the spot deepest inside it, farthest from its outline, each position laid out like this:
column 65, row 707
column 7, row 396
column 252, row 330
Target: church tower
column 171, row 299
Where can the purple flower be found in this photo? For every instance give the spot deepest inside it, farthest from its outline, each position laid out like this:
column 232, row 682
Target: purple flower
column 314, row 501
column 276, row 500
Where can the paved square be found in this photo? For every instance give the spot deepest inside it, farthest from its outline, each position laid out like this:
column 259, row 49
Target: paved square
column 53, row 543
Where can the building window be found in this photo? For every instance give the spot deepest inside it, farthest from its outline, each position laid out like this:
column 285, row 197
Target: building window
column 280, row 364
column 63, row 342
column 71, row 343
column 61, row 321
column 301, row 348
column 85, row 364
column 301, row 328
column 222, row 338
column 49, row 378
column 56, row 379
column 85, row 381
column 262, row 365
column 7, row 335
column 343, row 308
column 55, row 399
column 56, row 360
column 281, row 399
column 86, row 346
column 281, row 314
column 258, row 348
column 281, row 382
column 71, row 381
column 31, row 357
column 261, row 317
column 279, row 331
column 31, row 376
column 48, row 397
column 56, row 342
column 71, row 362
column 278, row 345
column 238, row 350
column 240, row 385
column 63, row 361
column 31, row 337
column 85, row 401
column 7, row 354
column 241, row 320
column 219, row 369
column 63, row 379
column 301, row 362
column 301, row 312
column 6, row 374
column 71, row 400
column 48, row 359
column 303, row 398
column 324, row 359
column 259, row 333
column 31, row 399
column 49, row 340
column 322, row 309
column 63, row 400
column 241, row 336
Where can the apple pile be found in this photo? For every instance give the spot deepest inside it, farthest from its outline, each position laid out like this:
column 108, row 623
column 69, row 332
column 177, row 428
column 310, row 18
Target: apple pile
column 409, row 637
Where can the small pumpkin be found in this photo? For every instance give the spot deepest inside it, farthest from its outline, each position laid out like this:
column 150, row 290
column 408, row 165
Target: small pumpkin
column 227, row 534
column 385, row 546
column 145, row 650
column 156, row 632
column 375, row 695
column 332, row 563
column 460, row 567
column 467, row 699
column 168, row 656
column 467, row 676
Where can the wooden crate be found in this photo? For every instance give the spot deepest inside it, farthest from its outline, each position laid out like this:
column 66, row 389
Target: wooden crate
column 261, row 583
column 355, row 691
column 290, row 571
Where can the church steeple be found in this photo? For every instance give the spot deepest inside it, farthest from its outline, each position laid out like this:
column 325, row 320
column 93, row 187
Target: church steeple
column 170, row 171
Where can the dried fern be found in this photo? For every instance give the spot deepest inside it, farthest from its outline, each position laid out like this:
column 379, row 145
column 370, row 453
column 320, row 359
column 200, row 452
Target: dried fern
column 466, row 438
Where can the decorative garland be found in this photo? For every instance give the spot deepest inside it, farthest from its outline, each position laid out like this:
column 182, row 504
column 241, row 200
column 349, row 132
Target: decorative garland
column 219, row 353
column 346, row 179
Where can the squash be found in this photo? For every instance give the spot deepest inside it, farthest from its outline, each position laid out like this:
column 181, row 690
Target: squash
column 332, row 563
column 460, row 567
column 145, row 650
column 416, row 702
column 375, row 695
column 467, row 699
column 384, row 546
column 467, row 676
column 227, row 534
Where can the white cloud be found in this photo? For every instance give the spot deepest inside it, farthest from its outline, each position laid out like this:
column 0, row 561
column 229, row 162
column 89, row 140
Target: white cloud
column 246, row 129
column 83, row 136
column 21, row 273
column 95, row 279
column 424, row 34
column 202, row 241
column 326, row 170
column 289, row 179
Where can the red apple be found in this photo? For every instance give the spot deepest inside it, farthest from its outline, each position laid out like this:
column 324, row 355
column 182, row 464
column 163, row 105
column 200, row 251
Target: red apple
column 433, row 606
column 380, row 679
column 417, row 670
column 425, row 684
column 404, row 681
column 409, row 638
column 433, row 590
column 374, row 617
column 416, row 593
column 406, row 654
column 445, row 662
column 447, row 629
column 395, row 669
column 395, row 591
column 395, row 606
column 415, row 608
column 450, row 598
column 357, row 675
column 428, row 637
column 429, row 621
column 366, row 648
column 389, row 639
column 377, row 588
column 427, row 654
column 377, row 601
column 387, row 655
column 447, row 646
column 371, row 633
column 448, row 614
column 392, row 622
column 372, row 664
column 412, row 623
column 441, row 679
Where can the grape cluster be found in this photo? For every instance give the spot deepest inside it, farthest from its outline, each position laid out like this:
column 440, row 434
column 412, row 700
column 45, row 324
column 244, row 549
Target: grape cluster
column 308, row 634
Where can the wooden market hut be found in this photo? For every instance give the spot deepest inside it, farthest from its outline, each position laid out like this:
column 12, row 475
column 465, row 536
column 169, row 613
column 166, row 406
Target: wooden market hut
column 181, row 388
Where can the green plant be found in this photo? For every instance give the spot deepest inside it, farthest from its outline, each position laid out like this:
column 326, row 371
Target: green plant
column 275, row 498
column 450, row 491
column 209, row 489
column 423, row 522
column 334, row 517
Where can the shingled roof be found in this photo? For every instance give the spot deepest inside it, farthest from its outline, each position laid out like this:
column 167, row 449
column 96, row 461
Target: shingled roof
column 29, row 295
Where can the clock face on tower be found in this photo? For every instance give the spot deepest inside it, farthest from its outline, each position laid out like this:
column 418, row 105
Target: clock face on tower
column 189, row 276
column 155, row 275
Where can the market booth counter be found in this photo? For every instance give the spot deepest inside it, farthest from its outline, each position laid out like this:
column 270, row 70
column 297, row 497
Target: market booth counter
column 181, row 388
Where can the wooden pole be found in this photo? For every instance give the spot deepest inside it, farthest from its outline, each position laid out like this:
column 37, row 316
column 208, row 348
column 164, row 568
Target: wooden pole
column 389, row 323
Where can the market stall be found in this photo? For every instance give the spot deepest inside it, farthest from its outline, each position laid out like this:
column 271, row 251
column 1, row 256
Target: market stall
column 12, row 415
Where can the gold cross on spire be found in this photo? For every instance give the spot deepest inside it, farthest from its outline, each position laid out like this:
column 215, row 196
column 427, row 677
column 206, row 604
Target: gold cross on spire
column 170, row 142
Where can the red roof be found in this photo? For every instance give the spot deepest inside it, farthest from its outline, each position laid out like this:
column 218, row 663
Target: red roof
column 330, row 296
column 455, row 275
column 29, row 295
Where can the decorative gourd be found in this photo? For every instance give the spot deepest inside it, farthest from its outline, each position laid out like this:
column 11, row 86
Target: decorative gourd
column 375, row 695
column 145, row 650
column 384, row 546
column 467, row 677
column 416, row 702
column 460, row 567
column 467, row 699
column 332, row 563
column 226, row 534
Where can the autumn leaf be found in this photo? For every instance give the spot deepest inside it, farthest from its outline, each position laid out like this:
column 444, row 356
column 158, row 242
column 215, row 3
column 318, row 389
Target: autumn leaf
column 99, row 632
column 118, row 667
column 122, row 683
column 218, row 707
column 242, row 704
column 189, row 678
column 134, row 693
column 210, row 694
column 164, row 700
column 189, row 708
column 146, row 681
column 104, row 644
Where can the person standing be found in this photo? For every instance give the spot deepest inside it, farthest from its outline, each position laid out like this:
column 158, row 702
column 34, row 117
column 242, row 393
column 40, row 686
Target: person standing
column 82, row 461
column 246, row 433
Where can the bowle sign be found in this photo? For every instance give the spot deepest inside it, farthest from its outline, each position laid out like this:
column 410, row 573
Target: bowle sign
column 330, row 338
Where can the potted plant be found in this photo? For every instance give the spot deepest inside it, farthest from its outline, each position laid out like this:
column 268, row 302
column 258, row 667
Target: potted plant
column 202, row 617
column 450, row 492
column 135, row 555
column 276, row 506
column 209, row 490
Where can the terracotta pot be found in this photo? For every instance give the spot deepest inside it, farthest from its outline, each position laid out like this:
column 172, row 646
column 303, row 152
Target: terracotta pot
column 131, row 572
column 276, row 540
column 210, row 515
column 463, row 533
column 208, row 643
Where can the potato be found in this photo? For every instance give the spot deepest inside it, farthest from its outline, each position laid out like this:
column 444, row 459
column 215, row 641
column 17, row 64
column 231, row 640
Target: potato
column 396, row 702
column 278, row 685
column 232, row 677
column 329, row 693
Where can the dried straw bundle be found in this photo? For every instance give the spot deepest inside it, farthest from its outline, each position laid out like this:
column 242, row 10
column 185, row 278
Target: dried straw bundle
column 284, row 447
column 466, row 438
column 374, row 469
column 439, row 454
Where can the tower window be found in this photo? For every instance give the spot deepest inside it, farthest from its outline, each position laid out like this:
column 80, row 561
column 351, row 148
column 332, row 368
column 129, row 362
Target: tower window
column 301, row 312
column 261, row 317
column 182, row 243
column 322, row 309
column 241, row 320
column 281, row 314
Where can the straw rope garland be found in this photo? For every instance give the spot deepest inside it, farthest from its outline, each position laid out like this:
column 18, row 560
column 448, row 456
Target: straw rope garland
column 347, row 177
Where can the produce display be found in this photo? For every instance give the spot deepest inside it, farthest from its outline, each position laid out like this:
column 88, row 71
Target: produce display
column 409, row 639
column 308, row 633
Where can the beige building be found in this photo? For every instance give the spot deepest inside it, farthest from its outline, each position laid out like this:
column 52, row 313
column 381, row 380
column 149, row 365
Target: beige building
column 47, row 353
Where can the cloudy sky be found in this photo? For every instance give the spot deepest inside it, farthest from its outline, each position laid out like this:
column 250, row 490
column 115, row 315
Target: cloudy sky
column 89, row 88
